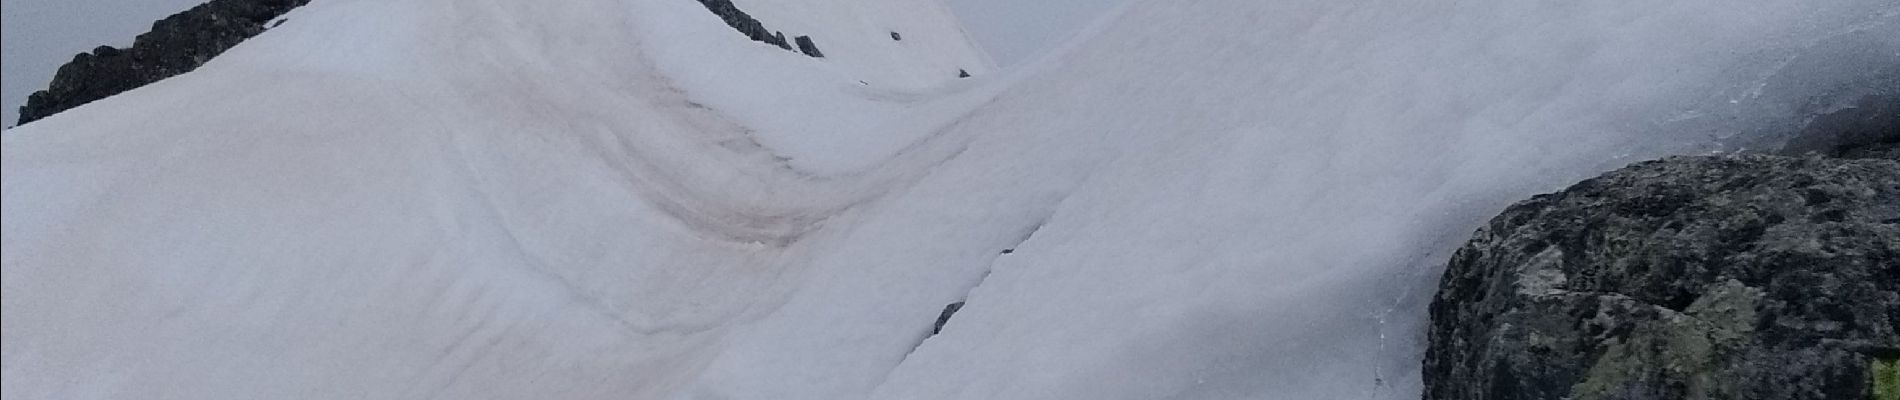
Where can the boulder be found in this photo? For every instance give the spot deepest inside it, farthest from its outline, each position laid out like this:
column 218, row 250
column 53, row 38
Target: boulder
column 1734, row 277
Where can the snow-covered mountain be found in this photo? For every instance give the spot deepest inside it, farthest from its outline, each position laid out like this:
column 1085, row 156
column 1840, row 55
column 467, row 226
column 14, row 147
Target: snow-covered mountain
column 1212, row 199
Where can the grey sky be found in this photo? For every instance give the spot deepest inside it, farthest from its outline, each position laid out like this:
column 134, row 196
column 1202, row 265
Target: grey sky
column 37, row 36
column 1014, row 30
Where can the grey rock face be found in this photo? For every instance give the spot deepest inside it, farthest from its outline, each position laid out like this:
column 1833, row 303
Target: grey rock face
column 176, row 45
column 751, row 27
column 1751, row 277
column 744, row 23
column 805, row 45
column 944, row 317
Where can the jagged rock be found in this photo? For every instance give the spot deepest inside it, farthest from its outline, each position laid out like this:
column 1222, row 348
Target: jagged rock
column 1743, row 277
column 806, row 46
column 963, row 73
column 744, row 23
column 944, row 317
column 755, row 30
column 175, row 45
column 895, row 36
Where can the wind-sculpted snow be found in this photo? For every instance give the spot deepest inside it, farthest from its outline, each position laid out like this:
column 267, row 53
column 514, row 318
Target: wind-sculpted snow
column 615, row 199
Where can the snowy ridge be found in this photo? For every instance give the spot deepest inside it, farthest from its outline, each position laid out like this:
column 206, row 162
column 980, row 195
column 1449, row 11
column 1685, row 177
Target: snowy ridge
column 621, row 199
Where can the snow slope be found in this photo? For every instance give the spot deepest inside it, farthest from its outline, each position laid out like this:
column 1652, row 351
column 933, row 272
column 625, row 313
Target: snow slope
column 624, row 199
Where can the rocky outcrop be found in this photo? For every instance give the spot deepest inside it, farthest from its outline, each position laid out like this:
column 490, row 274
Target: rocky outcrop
column 1742, row 277
column 805, row 45
column 745, row 24
column 176, row 45
column 753, row 29
column 944, row 317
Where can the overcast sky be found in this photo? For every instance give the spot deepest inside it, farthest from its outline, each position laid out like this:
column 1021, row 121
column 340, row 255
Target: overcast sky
column 1014, row 30
column 37, row 36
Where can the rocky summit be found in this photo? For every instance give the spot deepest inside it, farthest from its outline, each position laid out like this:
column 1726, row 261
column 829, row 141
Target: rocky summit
column 176, row 45
column 1734, row 277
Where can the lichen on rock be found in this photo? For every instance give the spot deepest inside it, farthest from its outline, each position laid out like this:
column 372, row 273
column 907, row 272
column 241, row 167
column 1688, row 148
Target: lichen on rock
column 1886, row 379
column 1757, row 276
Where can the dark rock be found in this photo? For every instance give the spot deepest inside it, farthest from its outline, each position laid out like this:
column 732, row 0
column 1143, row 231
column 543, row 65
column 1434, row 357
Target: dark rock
column 744, row 23
column 806, row 46
column 1870, row 128
column 895, row 36
column 753, row 29
column 105, row 51
column 1886, row 150
column 1748, row 277
column 963, row 73
column 944, row 317
column 176, row 45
